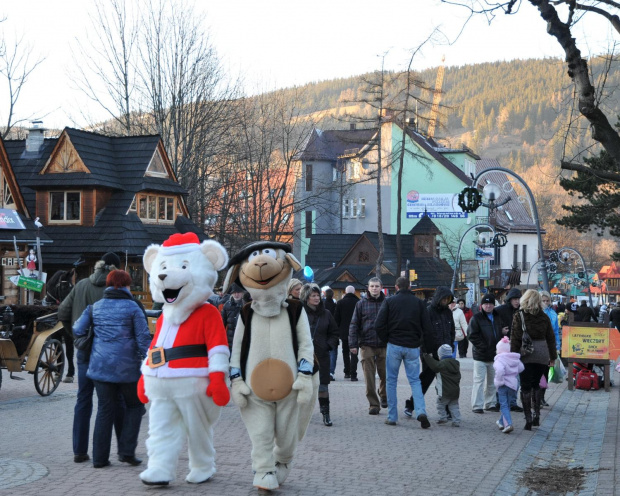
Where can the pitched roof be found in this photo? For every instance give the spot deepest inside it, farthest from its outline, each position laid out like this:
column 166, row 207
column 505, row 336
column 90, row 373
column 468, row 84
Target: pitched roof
column 425, row 226
column 326, row 249
column 117, row 163
column 329, row 145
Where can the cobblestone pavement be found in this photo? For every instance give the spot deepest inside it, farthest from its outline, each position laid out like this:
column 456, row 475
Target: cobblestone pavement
column 358, row 456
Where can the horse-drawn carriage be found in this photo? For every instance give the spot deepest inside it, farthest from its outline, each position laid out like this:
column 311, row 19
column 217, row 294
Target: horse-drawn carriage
column 34, row 347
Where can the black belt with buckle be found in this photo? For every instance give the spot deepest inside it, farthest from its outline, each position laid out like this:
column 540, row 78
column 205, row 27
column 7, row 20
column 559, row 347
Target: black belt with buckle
column 160, row 356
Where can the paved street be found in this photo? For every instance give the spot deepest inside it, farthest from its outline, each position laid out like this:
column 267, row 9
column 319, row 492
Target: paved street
column 359, row 455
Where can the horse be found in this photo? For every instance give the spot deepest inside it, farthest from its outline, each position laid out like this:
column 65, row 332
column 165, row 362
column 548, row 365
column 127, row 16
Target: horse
column 59, row 286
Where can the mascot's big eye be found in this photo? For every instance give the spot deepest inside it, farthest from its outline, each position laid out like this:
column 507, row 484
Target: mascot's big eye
column 271, row 252
column 253, row 255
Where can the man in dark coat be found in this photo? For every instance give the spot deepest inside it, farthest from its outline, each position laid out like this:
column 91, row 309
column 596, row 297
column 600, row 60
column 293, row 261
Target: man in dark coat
column 584, row 313
column 344, row 312
column 614, row 316
column 508, row 309
column 443, row 332
column 363, row 335
column 485, row 331
column 403, row 323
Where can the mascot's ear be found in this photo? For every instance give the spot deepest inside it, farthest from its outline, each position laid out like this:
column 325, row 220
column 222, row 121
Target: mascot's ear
column 149, row 256
column 293, row 261
column 215, row 253
column 231, row 276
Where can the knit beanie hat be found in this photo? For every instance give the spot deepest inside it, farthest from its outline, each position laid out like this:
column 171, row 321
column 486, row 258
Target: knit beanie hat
column 503, row 346
column 444, row 351
column 111, row 258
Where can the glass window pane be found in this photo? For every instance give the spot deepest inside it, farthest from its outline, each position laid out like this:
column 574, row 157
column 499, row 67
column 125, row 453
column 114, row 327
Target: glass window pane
column 170, row 208
column 152, row 214
column 57, row 205
column 162, row 208
column 142, row 212
column 73, row 206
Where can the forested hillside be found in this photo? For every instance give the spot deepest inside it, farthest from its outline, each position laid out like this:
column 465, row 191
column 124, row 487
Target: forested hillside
column 518, row 112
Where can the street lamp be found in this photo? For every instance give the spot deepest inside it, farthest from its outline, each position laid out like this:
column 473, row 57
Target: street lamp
column 470, row 200
column 499, row 239
column 566, row 255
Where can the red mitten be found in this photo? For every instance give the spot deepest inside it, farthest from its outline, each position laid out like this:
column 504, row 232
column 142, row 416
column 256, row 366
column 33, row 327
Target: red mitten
column 141, row 394
column 217, row 389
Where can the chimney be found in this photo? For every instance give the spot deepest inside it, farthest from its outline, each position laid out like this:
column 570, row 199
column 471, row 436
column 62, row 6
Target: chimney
column 352, row 126
column 35, row 137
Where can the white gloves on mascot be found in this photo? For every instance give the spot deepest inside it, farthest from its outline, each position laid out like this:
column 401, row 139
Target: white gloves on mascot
column 184, row 375
column 272, row 362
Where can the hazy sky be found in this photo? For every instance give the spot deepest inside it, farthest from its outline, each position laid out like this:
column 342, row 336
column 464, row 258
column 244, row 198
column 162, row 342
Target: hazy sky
column 277, row 43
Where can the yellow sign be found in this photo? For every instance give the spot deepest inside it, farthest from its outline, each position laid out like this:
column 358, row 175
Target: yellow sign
column 412, row 275
column 585, row 342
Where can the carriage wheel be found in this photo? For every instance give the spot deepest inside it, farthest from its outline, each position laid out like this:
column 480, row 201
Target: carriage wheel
column 50, row 367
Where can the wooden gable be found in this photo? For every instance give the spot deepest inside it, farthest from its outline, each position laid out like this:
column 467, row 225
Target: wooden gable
column 9, row 185
column 159, row 165
column 346, row 277
column 64, row 158
column 362, row 252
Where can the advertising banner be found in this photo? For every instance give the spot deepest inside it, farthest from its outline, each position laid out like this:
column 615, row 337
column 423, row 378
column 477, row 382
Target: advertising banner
column 439, row 206
column 9, row 219
column 585, row 342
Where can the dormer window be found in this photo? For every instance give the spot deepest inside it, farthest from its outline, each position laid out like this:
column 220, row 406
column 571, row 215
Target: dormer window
column 156, row 168
column 155, row 208
column 64, row 206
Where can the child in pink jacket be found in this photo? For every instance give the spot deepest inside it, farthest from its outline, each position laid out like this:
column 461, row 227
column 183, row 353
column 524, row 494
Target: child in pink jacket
column 507, row 366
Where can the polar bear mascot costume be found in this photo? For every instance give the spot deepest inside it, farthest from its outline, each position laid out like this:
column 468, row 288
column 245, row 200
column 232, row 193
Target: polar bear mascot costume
column 274, row 381
column 184, row 375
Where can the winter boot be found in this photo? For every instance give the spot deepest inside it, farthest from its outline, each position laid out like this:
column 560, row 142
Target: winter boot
column 526, row 400
column 542, row 398
column 324, row 407
column 536, row 400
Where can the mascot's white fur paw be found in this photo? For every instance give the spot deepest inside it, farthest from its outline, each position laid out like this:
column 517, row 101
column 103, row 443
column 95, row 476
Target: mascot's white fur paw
column 154, row 477
column 282, row 471
column 197, row 476
column 266, row 481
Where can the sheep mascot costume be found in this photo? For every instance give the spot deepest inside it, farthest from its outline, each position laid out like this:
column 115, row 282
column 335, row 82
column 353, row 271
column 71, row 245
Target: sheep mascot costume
column 184, row 375
column 274, row 381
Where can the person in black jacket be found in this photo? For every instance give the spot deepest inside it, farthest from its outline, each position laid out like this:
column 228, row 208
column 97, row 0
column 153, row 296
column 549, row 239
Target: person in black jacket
column 344, row 312
column 484, row 332
column 324, row 333
column 508, row 309
column 403, row 323
column 614, row 316
column 584, row 313
column 443, row 332
column 230, row 312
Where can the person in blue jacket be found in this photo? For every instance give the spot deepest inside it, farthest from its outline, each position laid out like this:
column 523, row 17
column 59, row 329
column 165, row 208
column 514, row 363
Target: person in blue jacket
column 553, row 317
column 121, row 340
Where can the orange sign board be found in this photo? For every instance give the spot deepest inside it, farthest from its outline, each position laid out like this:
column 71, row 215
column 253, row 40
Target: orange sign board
column 588, row 342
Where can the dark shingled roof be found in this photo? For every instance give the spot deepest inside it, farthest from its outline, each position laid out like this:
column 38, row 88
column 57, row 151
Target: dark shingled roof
column 117, row 164
column 329, row 145
column 425, row 226
column 327, row 248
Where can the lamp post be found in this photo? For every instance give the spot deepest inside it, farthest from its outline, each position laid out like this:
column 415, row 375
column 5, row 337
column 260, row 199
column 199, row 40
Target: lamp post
column 458, row 254
column 566, row 255
column 470, row 200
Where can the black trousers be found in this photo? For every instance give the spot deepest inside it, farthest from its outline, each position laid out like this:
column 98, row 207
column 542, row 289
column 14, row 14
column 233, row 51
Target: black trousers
column 463, row 345
column 350, row 361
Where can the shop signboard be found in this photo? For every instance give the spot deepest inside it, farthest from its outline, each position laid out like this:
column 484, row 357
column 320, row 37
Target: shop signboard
column 439, row 206
column 583, row 343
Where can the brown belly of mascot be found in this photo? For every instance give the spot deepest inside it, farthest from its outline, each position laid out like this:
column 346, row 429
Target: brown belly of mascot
column 272, row 380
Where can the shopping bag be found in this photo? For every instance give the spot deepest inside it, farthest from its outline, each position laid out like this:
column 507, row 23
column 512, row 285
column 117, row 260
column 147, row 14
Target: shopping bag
column 557, row 373
column 543, row 382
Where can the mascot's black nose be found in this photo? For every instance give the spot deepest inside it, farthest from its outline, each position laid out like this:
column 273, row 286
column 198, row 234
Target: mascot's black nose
column 162, row 276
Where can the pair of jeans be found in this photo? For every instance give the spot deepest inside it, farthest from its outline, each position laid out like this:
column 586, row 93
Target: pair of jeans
column 84, row 409
column 108, row 404
column 506, row 396
column 445, row 405
column 333, row 358
column 373, row 362
column 410, row 357
column 484, row 373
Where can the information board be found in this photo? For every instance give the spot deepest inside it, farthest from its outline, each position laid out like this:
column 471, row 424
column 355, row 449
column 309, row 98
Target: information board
column 585, row 342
